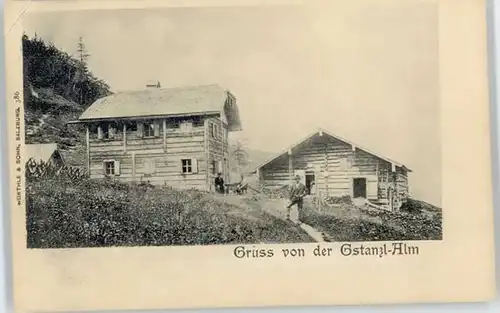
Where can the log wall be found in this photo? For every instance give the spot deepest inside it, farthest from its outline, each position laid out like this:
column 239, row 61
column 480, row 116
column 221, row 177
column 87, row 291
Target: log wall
column 218, row 150
column 335, row 164
column 157, row 158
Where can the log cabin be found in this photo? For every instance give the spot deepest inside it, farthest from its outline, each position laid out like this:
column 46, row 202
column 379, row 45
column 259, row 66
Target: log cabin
column 174, row 137
column 331, row 166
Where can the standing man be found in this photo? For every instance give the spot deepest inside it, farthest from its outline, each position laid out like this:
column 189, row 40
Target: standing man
column 219, row 183
column 297, row 193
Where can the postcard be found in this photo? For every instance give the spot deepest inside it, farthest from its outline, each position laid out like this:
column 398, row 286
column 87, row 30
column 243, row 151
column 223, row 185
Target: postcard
column 210, row 154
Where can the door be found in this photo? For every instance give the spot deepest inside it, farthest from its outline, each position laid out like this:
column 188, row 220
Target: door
column 310, row 184
column 359, row 188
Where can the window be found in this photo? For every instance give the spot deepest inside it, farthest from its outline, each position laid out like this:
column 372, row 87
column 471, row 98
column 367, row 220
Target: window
column 198, row 122
column 149, row 129
column 212, row 130
column 109, row 168
column 186, row 127
column 214, row 167
column 173, row 124
column 132, row 127
column 187, row 166
column 105, row 131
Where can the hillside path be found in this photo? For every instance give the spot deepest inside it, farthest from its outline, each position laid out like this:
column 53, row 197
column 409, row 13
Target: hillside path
column 275, row 207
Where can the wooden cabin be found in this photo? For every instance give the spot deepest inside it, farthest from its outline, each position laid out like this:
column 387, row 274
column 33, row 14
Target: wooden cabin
column 165, row 136
column 44, row 152
column 331, row 166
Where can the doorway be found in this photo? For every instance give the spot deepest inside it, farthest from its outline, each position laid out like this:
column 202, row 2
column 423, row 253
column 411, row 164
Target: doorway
column 310, row 183
column 359, row 187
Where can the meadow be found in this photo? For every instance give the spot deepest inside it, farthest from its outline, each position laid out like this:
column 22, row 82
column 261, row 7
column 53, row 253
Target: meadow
column 68, row 213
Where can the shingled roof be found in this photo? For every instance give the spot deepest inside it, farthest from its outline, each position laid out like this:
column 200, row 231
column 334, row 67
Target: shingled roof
column 41, row 152
column 156, row 102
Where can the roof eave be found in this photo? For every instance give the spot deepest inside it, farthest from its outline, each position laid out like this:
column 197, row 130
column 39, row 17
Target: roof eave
column 140, row 117
column 407, row 169
column 321, row 131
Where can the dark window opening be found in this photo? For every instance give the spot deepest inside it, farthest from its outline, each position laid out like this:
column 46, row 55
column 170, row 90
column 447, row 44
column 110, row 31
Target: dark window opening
column 105, row 131
column 187, row 166
column 109, row 168
column 132, row 126
column 198, row 122
column 149, row 129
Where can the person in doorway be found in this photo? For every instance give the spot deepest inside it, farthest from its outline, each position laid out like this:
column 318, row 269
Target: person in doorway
column 219, row 183
column 312, row 189
column 296, row 197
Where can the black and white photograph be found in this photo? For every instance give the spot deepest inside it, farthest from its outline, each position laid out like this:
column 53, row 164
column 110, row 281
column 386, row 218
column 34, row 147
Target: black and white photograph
column 203, row 126
column 233, row 154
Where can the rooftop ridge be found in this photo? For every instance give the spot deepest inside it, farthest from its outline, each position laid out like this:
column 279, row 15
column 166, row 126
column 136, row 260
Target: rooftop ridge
column 151, row 90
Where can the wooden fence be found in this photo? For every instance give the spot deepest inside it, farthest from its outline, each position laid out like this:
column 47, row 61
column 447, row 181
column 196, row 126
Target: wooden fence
column 41, row 169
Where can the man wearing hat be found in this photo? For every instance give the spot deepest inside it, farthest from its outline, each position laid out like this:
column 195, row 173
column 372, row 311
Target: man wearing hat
column 219, row 183
column 297, row 193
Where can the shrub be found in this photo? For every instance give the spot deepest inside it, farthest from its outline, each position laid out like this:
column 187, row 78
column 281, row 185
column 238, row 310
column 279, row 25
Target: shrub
column 417, row 207
column 278, row 192
column 339, row 200
column 374, row 225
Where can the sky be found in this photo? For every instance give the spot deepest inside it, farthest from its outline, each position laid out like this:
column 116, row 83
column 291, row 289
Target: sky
column 367, row 71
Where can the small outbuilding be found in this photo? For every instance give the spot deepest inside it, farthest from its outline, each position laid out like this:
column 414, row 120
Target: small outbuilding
column 44, row 152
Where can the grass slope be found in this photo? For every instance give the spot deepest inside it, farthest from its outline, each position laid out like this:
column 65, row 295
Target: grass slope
column 65, row 214
column 344, row 222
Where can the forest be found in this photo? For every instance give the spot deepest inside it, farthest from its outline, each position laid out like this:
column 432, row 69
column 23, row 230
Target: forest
column 58, row 87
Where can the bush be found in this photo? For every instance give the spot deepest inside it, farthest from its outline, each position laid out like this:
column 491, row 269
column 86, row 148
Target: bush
column 339, row 200
column 374, row 225
column 277, row 193
column 417, row 207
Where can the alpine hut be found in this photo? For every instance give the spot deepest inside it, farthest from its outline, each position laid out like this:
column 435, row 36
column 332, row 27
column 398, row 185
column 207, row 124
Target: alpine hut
column 331, row 166
column 165, row 136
